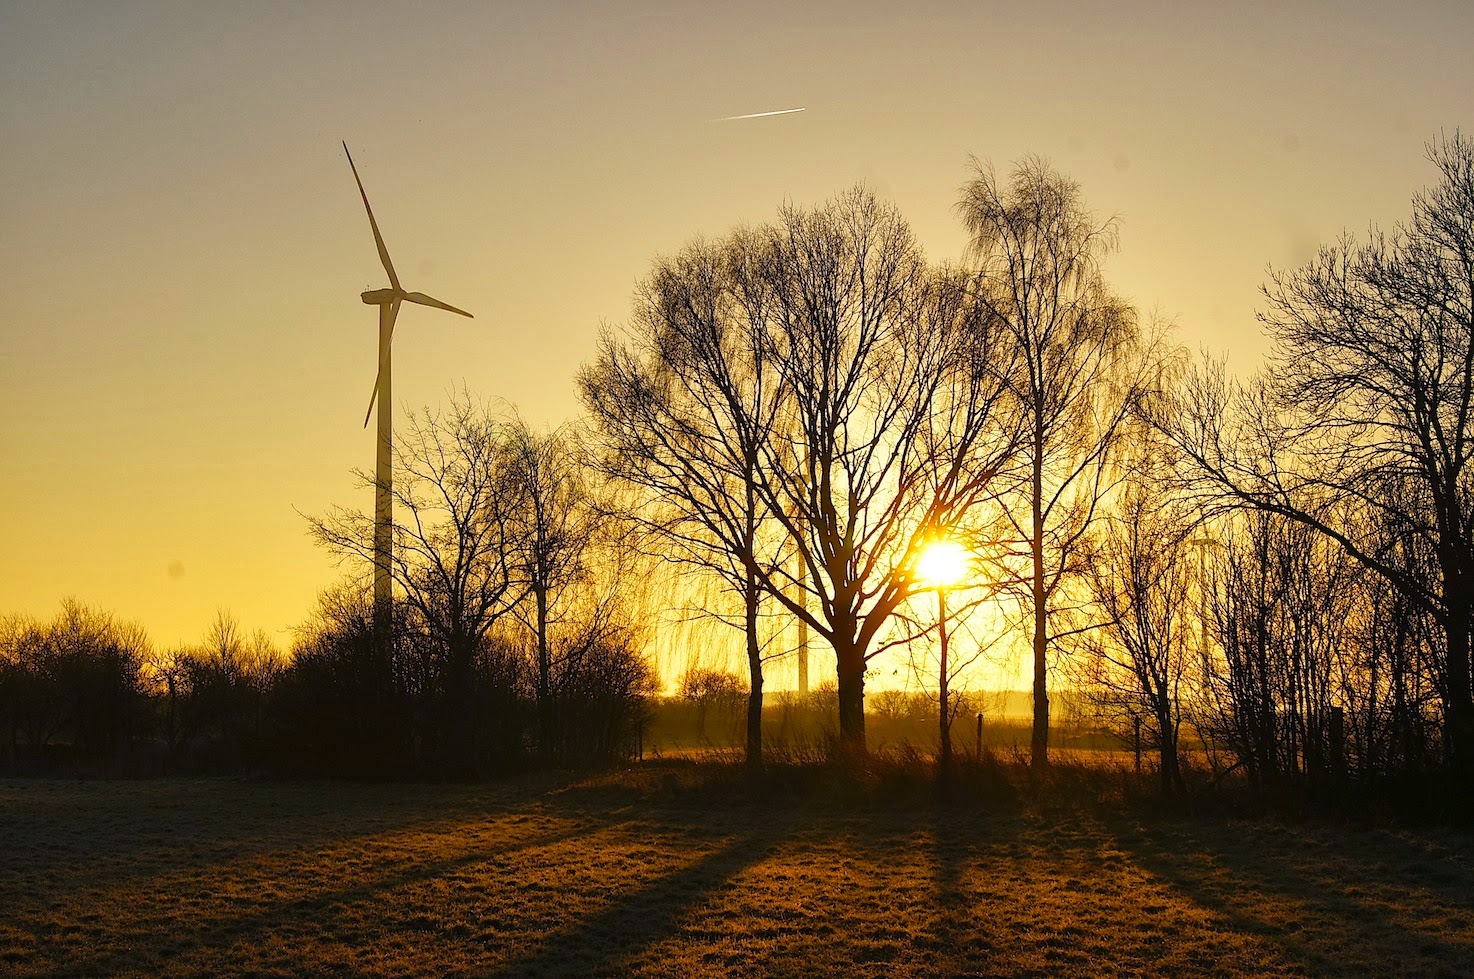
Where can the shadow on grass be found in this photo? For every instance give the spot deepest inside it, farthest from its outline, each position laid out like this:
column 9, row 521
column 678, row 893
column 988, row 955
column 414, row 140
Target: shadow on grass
column 618, row 873
column 223, row 933
column 604, row 943
column 1271, row 882
column 951, row 919
column 172, row 825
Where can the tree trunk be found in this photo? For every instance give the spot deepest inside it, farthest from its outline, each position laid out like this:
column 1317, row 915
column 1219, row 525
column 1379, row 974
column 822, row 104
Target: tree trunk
column 544, row 679
column 1166, row 736
column 944, row 716
column 1171, row 769
column 1460, row 707
column 755, row 678
column 849, row 665
column 457, row 752
column 1040, row 744
column 172, row 728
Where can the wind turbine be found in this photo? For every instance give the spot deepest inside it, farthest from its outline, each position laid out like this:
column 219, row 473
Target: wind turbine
column 388, row 301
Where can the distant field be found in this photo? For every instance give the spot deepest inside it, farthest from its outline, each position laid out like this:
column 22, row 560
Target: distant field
column 676, row 730
column 639, row 874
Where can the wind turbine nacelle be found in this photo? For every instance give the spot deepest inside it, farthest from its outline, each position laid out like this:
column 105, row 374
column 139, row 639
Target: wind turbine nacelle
column 379, row 297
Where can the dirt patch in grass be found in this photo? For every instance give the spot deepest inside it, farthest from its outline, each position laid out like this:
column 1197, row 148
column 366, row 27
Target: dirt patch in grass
column 661, row 873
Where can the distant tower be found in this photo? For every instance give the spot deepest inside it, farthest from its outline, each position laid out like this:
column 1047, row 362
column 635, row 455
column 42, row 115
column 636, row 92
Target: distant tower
column 803, row 630
column 803, row 656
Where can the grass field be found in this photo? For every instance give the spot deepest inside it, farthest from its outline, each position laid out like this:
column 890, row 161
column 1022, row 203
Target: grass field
column 645, row 873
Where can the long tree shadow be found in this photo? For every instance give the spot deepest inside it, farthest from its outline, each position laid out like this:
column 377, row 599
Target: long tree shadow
column 224, row 933
column 83, row 854
column 605, row 943
column 950, row 922
column 1282, row 893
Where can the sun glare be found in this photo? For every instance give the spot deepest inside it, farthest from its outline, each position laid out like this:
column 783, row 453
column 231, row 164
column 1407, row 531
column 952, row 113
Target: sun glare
column 942, row 563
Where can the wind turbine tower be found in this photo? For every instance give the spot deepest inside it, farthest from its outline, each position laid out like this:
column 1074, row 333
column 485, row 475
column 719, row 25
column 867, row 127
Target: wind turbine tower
column 388, row 301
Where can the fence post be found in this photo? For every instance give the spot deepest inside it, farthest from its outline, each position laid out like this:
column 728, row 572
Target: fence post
column 980, row 737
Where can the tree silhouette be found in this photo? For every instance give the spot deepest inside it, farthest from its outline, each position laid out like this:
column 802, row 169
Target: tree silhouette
column 1361, row 428
column 552, row 528
column 457, row 493
column 1079, row 379
column 683, row 402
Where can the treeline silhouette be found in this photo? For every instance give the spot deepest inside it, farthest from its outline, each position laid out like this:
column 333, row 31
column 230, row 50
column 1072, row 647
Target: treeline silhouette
column 1266, row 579
column 87, row 693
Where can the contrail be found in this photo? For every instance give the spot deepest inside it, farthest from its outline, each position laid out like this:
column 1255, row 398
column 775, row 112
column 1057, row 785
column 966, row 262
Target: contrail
column 759, row 115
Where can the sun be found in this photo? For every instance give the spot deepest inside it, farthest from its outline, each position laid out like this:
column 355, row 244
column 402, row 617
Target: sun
column 942, row 563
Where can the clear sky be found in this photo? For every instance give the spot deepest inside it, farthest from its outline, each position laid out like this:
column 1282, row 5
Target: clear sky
column 184, row 361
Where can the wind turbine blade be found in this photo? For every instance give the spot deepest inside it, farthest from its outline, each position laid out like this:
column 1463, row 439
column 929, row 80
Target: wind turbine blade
column 373, row 395
column 424, row 300
column 378, row 238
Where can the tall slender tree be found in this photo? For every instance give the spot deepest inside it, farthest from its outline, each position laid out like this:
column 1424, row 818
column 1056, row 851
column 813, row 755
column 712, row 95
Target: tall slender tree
column 552, row 531
column 1039, row 253
column 683, row 402
column 1140, row 574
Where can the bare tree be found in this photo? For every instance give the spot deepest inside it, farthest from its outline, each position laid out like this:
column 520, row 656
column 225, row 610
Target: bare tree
column 1391, row 682
column 806, row 403
column 167, row 669
column 1140, row 574
column 553, row 528
column 941, row 662
column 1361, row 426
column 78, row 675
column 1281, row 599
column 1039, row 254
column 456, row 494
column 707, row 691
column 891, row 431
column 683, row 404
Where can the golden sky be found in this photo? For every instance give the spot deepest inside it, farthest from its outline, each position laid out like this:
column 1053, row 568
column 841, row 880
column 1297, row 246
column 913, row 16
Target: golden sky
column 184, row 361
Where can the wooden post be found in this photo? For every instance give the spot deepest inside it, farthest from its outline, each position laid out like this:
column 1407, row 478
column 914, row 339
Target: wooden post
column 980, row 737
